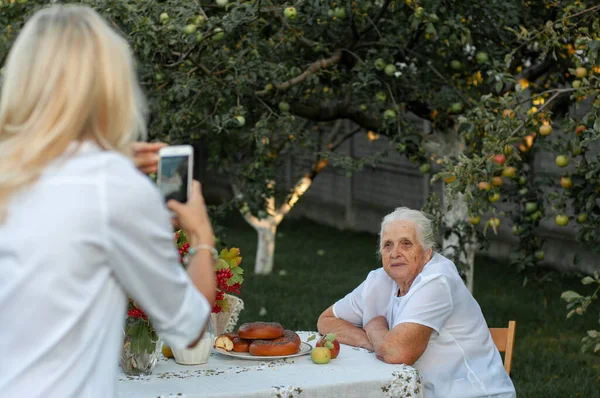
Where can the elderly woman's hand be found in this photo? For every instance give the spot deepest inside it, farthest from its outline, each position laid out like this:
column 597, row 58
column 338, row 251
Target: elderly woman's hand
column 145, row 155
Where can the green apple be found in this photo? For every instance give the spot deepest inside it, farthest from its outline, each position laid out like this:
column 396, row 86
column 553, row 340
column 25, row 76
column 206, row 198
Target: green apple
column 222, row 3
column 581, row 72
column 390, row 69
column 199, row 37
column 530, row 207
column 562, row 161
column 381, row 96
column 290, row 13
column 482, row 57
column 455, row 64
column 522, row 180
column 240, row 120
column 425, row 168
column 284, row 106
column 189, row 29
column 539, row 255
column 561, row 220
column 389, row 114
column 419, row 11
column 164, row 17
column 517, row 230
column 536, row 216
column 199, row 20
column 582, row 218
column 340, row 12
column 218, row 34
column 494, row 197
column 456, row 107
column 380, row 64
column 474, row 220
column 523, row 191
column 320, row 355
column 576, row 83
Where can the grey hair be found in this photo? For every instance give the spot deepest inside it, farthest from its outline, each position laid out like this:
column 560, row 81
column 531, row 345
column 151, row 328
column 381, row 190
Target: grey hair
column 423, row 224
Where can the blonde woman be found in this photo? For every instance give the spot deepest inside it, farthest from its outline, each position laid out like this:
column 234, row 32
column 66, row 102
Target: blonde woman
column 80, row 227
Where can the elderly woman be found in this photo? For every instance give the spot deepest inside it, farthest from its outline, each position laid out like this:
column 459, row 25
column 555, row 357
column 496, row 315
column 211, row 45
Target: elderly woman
column 417, row 311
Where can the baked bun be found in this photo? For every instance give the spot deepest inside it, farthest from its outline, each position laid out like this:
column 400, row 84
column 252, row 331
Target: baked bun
column 240, row 345
column 287, row 344
column 260, row 330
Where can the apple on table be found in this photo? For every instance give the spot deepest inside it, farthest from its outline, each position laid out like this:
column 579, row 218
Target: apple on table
column 329, row 341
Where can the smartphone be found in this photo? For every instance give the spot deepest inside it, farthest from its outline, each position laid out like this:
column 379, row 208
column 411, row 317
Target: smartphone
column 175, row 172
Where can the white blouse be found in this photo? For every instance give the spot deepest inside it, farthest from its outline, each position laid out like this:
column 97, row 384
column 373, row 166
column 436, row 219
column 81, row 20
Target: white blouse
column 75, row 244
column 461, row 359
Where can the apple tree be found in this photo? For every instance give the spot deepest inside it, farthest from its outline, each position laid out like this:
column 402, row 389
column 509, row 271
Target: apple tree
column 497, row 82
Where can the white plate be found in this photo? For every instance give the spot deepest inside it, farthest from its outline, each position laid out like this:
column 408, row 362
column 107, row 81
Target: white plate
column 305, row 348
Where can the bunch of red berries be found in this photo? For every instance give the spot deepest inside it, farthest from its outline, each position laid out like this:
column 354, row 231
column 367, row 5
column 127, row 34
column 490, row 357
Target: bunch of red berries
column 223, row 276
column 137, row 313
column 183, row 251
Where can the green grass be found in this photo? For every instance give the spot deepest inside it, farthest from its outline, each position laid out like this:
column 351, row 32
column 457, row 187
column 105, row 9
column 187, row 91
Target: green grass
column 547, row 361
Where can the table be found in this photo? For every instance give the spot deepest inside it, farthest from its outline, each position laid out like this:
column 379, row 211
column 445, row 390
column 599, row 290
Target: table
column 354, row 373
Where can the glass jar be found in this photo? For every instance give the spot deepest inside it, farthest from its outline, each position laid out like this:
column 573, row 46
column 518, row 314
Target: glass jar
column 141, row 350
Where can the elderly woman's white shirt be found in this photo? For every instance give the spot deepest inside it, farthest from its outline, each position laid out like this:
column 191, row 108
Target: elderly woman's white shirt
column 91, row 231
column 461, row 359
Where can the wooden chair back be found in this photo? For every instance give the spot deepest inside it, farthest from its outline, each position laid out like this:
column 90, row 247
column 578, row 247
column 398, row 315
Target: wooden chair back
column 504, row 338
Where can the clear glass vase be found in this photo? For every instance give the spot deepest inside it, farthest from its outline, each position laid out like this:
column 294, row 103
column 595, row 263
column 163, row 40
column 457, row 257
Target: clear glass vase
column 140, row 352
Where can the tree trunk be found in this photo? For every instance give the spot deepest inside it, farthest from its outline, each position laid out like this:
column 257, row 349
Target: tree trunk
column 266, row 249
column 460, row 245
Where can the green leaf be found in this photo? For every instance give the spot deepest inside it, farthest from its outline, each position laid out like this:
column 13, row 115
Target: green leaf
column 330, row 337
column 221, row 264
column 329, row 345
column 570, row 295
column 588, row 280
column 312, row 337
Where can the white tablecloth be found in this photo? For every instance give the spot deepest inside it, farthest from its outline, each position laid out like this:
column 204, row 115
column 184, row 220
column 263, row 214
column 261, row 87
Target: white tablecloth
column 354, row 373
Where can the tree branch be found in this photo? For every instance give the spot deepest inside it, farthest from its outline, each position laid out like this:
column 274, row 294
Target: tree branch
column 313, row 68
column 334, row 110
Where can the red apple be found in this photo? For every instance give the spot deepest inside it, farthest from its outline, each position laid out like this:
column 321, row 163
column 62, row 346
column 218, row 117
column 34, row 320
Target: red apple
column 329, row 341
column 499, row 159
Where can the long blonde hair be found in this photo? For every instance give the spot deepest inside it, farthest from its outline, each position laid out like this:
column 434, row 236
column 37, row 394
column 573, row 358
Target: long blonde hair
column 68, row 77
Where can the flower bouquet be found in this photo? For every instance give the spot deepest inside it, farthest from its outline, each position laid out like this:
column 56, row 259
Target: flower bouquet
column 229, row 276
column 227, row 268
column 141, row 343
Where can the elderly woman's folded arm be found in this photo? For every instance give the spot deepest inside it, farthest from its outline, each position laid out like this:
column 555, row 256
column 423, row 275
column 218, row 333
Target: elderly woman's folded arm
column 405, row 343
column 346, row 333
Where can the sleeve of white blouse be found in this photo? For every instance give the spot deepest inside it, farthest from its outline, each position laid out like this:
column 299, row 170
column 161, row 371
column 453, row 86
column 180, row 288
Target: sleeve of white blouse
column 144, row 258
column 429, row 305
column 350, row 308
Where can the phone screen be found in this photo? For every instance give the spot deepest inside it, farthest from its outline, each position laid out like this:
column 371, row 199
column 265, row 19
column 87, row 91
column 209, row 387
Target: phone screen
column 174, row 177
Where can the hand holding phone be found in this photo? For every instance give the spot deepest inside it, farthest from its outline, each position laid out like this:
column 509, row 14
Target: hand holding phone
column 175, row 172
column 192, row 217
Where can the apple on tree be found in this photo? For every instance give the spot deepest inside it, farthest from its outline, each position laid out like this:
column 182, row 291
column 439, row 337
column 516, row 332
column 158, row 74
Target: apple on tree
column 329, row 341
column 290, row 13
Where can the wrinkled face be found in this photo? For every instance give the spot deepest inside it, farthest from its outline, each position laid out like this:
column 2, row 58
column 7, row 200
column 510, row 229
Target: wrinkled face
column 402, row 254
